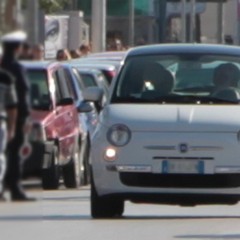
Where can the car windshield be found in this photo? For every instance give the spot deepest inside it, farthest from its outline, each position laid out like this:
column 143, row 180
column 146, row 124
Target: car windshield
column 40, row 98
column 88, row 80
column 179, row 79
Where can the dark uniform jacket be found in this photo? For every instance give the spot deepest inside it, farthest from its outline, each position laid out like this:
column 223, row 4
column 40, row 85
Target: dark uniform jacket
column 8, row 96
column 22, row 87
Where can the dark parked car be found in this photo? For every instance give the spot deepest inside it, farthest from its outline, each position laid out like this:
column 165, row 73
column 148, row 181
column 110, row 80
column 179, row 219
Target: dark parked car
column 87, row 119
column 108, row 56
column 108, row 69
column 94, row 78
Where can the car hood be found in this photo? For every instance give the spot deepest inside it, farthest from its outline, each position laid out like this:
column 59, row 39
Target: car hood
column 174, row 118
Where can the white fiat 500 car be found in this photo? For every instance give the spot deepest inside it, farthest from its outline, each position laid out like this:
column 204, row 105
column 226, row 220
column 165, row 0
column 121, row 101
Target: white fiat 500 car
column 170, row 132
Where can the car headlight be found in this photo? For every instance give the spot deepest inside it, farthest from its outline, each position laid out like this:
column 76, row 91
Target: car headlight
column 119, row 135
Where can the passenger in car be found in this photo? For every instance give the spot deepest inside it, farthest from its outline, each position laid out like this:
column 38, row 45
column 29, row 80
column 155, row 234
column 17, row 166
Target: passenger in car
column 35, row 93
column 226, row 75
column 226, row 79
column 158, row 82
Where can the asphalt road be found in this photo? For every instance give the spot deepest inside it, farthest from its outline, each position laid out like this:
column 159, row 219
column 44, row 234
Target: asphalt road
column 65, row 215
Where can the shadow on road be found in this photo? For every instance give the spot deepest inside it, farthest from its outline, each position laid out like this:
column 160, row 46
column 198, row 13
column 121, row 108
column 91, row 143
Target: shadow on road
column 35, row 184
column 72, row 199
column 44, row 218
column 225, row 236
column 178, row 217
column 125, row 218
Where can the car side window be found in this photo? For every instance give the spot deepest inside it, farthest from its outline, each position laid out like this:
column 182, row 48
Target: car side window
column 89, row 80
column 70, row 84
column 57, row 89
column 78, row 76
column 62, row 83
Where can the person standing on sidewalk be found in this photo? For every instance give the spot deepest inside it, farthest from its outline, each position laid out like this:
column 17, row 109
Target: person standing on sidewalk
column 38, row 52
column 12, row 46
column 8, row 114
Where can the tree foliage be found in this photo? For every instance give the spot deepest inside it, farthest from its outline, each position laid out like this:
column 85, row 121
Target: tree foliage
column 51, row 6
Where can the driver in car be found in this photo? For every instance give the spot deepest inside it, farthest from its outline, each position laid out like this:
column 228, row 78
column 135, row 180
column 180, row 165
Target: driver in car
column 226, row 77
column 160, row 82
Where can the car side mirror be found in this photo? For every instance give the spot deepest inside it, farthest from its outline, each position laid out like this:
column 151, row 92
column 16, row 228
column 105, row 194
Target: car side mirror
column 65, row 102
column 93, row 94
column 84, row 107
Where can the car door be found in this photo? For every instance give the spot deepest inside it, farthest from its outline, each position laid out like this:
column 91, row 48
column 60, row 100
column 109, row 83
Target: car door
column 66, row 117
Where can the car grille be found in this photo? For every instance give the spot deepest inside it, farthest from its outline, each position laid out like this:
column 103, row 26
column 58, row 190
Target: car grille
column 180, row 180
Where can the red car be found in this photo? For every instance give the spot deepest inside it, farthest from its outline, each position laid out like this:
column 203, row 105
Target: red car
column 56, row 131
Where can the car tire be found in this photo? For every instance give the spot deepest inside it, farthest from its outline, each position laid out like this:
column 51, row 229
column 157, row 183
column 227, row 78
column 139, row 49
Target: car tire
column 71, row 171
column 51, row 175
column 85, row 174
column 105, row 207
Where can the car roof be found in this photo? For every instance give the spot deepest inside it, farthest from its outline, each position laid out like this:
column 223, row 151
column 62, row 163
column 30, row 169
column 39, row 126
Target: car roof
column 104, row 59
column 184, row 48
column 98, row 65
column 110, row 54
column 39, row 64
column 66, row 64
column 98, row 61
column 88, row 70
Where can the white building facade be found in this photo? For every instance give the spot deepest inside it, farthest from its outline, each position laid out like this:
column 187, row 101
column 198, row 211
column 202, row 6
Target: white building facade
column 230, row 21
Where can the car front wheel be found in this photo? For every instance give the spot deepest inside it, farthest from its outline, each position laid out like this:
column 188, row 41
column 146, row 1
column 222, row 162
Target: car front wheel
column 50, row 175
column 71, row 171
column 105, row 207
column 85, row 173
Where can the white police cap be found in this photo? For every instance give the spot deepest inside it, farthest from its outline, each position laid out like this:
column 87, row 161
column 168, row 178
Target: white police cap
column 16, row 36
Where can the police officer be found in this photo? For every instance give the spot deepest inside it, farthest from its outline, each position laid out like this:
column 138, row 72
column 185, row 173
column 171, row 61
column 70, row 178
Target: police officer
column 12, row 46
column 8, row 113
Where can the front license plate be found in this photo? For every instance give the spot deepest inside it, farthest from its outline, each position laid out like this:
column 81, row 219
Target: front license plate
column 181, row 166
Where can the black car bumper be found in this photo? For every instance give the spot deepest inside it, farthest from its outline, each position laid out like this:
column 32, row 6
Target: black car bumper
column 33, row 165
column 187, row 200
